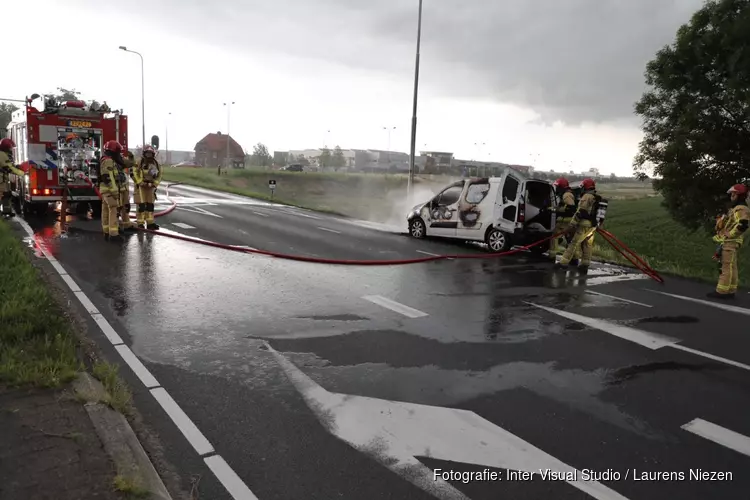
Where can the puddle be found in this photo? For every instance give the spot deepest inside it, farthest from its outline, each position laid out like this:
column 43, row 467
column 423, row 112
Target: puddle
column 617, row 377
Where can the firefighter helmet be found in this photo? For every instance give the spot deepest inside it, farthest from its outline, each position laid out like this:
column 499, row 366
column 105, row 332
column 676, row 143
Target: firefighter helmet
column 562, row 182
column 113, row 147
column 588, row 184
column 740, row 189
column 150, row 150
column 7, row 144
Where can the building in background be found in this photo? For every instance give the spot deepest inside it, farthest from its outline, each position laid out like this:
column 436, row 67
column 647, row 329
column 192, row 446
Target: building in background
column 174, row 157
column 211, row 151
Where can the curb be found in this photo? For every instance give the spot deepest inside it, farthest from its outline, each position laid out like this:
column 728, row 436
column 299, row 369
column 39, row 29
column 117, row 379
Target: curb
column 118, row 438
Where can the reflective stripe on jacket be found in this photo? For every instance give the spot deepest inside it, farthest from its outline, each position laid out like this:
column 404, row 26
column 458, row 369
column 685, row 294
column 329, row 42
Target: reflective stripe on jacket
column 734, row 225
column 143, row 172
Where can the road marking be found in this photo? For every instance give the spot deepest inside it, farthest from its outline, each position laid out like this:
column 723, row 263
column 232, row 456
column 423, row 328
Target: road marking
column 711, row 356
column 646, row 339
column 258, row 213
column 618, row 298
column 329, row 230
column 181, row 420
column 396, row 433
column 198, row 210
column 183, row 225
column 194, row 436
column 290, row 212
column 719, row 435
column 229, row 478
column 650, row 340
column 395, row 306
column 428, row 253
column 603, row 280
column 70, row 282
column 725, row 307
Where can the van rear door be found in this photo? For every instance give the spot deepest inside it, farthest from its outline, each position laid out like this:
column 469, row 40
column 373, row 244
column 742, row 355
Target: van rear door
column 507, row 203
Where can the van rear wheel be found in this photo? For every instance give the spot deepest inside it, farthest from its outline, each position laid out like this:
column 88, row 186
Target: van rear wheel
column 497, row 241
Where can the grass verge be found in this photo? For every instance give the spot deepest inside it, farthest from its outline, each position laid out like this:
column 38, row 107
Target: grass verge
column 37, row 344
column 130, row 487
column 118, row 394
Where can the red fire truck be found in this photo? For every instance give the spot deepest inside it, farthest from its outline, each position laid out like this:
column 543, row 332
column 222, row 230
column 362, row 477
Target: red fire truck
column 58, row 148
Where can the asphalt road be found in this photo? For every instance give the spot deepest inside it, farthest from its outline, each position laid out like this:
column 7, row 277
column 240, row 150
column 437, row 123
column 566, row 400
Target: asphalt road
column 467, row 365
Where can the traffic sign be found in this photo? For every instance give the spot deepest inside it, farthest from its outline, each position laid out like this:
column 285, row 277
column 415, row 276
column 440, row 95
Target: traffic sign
column 272, row 184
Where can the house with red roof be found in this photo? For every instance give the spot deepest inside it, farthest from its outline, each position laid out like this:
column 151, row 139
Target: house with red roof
column 211, row 151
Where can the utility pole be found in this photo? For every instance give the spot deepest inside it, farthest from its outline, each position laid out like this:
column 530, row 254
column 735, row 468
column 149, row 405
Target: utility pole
column 229, row 110
column 414, row 111
column 143, row 96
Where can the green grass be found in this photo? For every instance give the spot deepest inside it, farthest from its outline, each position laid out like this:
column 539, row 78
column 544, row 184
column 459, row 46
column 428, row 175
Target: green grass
column 646, row 227
column 118, row 394
column 37, row 344
column 130, row 486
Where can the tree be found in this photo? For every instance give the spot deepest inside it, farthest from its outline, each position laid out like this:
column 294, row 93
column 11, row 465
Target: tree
column 338, row 161
column 6, row 111
column 696, row 113
column 261, row 156
column 325, row 158
column 66, row 95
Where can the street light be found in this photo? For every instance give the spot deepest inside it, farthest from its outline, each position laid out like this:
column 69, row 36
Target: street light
column 229, row 107
column 389, row 129
column 166, row 139
column 414, row 111
column 143, row 95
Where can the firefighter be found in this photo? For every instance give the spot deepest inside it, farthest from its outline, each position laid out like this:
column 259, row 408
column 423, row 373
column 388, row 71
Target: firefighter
column 730, row 230
column 584, row 225
column 127, row 170
column 136, row 192
column 147, row 178
column 7, row 167
column 110, row 180
column 565, row 210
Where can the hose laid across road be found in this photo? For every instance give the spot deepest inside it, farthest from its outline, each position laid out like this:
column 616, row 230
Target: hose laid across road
column 608, row 237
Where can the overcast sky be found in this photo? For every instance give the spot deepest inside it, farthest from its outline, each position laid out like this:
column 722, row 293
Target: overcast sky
column 544, row 82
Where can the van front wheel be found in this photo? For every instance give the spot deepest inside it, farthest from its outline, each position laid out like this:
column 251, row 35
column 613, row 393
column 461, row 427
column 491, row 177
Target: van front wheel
column 497, row 241
column 417, row 228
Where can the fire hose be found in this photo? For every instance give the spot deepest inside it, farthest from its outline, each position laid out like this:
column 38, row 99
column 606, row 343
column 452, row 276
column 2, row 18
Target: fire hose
column 618, row 245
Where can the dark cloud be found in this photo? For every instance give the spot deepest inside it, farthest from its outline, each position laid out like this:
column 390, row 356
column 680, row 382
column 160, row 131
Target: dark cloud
column 569, row 60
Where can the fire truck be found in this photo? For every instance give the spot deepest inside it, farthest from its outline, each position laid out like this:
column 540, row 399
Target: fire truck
column 58, row 148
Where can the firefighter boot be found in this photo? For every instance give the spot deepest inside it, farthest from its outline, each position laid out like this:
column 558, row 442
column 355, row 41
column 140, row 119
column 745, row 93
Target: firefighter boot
column 583, row 269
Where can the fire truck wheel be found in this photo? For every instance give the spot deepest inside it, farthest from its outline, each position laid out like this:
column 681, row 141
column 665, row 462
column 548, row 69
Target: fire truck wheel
column 81, row 208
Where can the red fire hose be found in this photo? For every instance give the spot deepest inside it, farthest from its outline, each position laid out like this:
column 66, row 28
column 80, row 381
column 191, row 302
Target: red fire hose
column 608, row 237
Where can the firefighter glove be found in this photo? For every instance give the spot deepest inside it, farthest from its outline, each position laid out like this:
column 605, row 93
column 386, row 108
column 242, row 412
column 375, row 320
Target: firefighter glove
column 718, row 239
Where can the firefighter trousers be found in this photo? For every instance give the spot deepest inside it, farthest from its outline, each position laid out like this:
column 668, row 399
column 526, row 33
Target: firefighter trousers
column 583, row 240
column 555, row 246
column 146, row 206
column 5, row 197
column 125, row 208
column 730, row 276
column 110, row 205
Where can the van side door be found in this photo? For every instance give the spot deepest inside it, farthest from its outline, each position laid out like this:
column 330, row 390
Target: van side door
column 475, row 210
column 507, row 204
column 444, row 211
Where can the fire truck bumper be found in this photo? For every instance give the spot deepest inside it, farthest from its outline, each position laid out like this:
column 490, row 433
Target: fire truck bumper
column 71, row 199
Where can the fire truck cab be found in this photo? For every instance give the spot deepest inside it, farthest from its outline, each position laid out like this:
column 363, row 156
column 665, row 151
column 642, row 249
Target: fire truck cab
column 58, row 148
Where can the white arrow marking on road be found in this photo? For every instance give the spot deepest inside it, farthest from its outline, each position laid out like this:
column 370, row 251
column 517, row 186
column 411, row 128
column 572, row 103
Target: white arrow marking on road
column 725, row 307
column 198, row 210
column 651, row 340
column 395, row 433
column 618, row 298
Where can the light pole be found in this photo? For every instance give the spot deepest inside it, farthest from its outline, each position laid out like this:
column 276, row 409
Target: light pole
column 166, row 139
column 414, row 111
column 143, row 96
column 389, row 129
column 229, row 110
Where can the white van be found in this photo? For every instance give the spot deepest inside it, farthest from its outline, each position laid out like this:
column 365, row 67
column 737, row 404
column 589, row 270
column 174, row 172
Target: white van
column 503, row 211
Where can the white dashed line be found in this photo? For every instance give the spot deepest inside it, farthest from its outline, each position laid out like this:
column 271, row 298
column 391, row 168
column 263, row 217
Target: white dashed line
column 228, row 478
column 194, row 436
column 428, row 253
column 719, row 435
column 618, row 298
column 183, row 225
column 258, row 213
column 395, row 306
column 329, row 230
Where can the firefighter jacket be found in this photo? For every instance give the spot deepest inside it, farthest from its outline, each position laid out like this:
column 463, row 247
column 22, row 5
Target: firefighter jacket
column 7, row 167
column 731, row 227
column 110, row 177
column 585, row 214
column 148, row 172
column 567, row 207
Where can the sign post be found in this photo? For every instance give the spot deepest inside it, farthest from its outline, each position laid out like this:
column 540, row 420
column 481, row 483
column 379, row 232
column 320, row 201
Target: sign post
column 272, row 187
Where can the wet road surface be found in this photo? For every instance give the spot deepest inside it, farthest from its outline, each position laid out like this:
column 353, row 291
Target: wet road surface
column 467, row 365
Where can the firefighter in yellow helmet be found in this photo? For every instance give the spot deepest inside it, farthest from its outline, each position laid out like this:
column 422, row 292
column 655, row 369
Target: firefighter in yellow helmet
column 127, row 170
column 148, row 175
column 730, row 231
column 565, row 210
column 131, row 171
column 110, row 179
column 584, row 225
column 7, row 167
